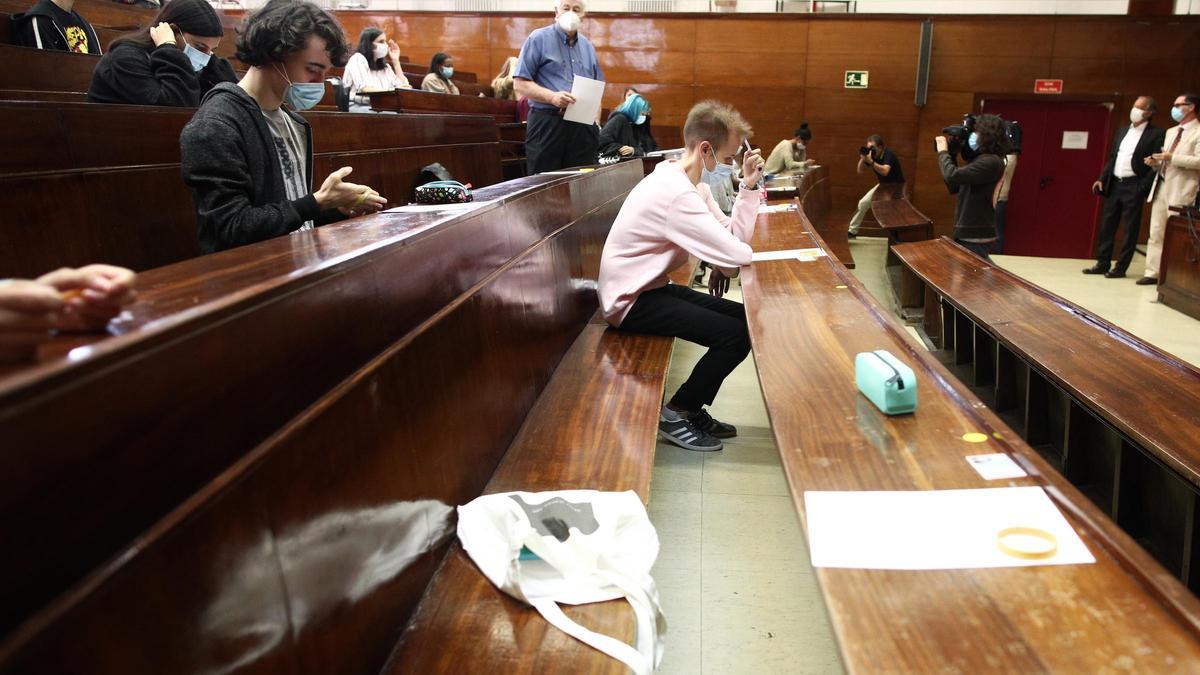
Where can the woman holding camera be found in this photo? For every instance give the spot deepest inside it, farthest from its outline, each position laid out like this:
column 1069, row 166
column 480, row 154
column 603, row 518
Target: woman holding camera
column 975, row 183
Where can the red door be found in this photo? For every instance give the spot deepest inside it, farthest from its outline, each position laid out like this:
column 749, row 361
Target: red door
column 1051, row 209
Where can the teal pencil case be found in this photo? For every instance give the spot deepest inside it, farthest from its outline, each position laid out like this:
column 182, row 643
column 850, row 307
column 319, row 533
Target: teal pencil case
column 886, row 381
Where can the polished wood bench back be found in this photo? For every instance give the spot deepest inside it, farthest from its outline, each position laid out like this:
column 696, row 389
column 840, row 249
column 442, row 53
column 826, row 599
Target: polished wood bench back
column 901, row 222
column 1115, row 415
column 28, row 69
column 117, row 174
column 411, row 100
column 807, row 321
column 221, row 350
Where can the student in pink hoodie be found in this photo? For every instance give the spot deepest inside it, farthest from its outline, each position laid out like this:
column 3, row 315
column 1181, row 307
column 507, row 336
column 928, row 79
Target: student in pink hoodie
column 669, row 215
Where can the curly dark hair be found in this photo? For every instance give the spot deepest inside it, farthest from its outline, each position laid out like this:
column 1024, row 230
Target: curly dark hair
column 283, row 27
column 992, row 138
column 366, row 47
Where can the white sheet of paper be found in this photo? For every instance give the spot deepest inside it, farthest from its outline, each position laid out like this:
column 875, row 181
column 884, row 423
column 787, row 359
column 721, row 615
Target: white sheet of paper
column 795, row 253
column 777, row 208
column 933, row 529
column 995, row 466
column 423, row 208
column 1075, row 140
column 587, row 93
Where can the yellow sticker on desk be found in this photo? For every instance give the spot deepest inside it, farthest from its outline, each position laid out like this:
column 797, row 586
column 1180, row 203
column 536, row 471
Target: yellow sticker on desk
column 586, row 170
column 842, row 286
column 974, row 437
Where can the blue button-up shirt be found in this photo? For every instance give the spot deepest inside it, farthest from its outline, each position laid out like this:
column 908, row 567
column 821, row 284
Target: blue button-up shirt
column 552, row 61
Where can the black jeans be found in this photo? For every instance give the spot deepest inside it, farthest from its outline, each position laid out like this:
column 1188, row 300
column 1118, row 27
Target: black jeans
column 552, row 143
column 979, row 249
column 716, row 323
column 1123, row 202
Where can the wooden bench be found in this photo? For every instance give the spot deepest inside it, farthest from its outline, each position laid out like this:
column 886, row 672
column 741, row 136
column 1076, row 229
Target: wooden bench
column 902, row 222
column 27, row 69
column 816, row 209
column 1123, row 609
column 1179, row 271
column 119, row 174
column 1115, row 415
column 314, row 546
column 414, row 100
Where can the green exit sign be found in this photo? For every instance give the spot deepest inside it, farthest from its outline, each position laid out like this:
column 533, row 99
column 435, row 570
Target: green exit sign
column 856, row 79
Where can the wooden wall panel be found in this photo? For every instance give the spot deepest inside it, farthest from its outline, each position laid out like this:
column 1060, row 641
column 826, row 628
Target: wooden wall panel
column 753, row 36
column 626, row 65
column 669, row 35
column 728, row 68
column 992, row 36
column 1083, row 38
column 1088, row 75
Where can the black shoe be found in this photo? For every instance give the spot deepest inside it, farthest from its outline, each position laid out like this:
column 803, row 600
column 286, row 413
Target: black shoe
column 1097, row 269
column 1146, row 281
column 715, row 428
column 685, row 434
column 1114, row 274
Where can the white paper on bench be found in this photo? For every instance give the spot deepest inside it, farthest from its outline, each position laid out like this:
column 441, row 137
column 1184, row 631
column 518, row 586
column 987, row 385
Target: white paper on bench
column 932, row 529
column 587, row 93
column 777, row 208
column 791, row 254
column 995, row 466
column 421, row 208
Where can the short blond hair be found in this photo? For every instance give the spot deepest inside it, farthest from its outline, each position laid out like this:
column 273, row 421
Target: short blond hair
column 712, row 121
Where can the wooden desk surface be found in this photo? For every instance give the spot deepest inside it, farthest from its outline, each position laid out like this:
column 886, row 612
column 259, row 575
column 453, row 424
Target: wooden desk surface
column 807, row 321
column 1144, row 392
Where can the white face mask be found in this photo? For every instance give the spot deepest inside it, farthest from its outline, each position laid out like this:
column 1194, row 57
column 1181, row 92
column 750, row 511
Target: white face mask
column 381, row 50
column 569, row 22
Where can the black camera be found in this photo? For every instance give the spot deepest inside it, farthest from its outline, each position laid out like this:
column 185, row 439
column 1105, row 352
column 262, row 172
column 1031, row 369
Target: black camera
column 864, row 150
column 956, row 138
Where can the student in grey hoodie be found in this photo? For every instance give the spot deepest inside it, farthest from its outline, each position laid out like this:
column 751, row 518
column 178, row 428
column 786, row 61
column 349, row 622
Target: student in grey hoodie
column 247, row 159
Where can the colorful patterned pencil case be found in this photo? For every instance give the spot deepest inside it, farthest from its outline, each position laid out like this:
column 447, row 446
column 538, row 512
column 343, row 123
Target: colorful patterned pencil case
column 443, row 192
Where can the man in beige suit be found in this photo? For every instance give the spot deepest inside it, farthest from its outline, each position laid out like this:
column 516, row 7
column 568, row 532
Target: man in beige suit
column 1178, row 168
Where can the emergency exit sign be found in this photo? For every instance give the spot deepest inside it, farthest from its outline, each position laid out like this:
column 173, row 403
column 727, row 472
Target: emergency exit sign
column 856, row 79
column 1047, row 86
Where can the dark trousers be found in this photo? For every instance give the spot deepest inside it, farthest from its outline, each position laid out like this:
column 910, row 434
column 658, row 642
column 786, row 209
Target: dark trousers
column 1001, row 222
column 552, row 143
column 716, row 323
column 979, row 249
column 1124, row 201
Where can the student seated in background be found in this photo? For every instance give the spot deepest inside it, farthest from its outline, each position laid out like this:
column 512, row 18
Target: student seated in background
column 667, row 216
column 247, row 159
column 171, row 62
column 374, row 67
column 790, row 155
column 502, row 86
column 619, row 137
column 441, row 69
column 74, row 300
column 54, row 24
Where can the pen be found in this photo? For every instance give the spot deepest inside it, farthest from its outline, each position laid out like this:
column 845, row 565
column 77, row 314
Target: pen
column 746, row 143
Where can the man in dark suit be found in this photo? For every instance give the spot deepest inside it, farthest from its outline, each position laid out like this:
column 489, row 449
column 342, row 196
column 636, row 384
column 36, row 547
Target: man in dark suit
column 1124, row 183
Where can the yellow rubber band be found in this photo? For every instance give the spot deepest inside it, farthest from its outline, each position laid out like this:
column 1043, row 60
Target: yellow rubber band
column 1047, row 550
column 361, row 198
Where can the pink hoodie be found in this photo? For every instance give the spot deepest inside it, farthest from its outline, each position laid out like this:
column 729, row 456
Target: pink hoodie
column 664, row 218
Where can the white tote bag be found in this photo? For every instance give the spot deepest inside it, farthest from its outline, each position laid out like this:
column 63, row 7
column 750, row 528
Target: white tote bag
column 575, row 547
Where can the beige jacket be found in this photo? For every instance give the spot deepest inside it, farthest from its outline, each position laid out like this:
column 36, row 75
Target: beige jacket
column 436, row 84
column 1183, row 171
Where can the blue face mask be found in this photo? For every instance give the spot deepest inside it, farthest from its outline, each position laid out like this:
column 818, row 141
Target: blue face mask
column 1177, row 114
column 448, row 72
column 302, row 96
column 641, row 119
column 973, row 141
column 198, row 58
column 724, row 171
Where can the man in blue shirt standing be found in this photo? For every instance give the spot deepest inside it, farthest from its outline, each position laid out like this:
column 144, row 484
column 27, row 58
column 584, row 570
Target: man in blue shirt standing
column 550, row 59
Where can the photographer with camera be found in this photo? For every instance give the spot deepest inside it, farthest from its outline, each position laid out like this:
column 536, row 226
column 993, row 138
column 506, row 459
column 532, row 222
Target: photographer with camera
column 975, row 182
column 886, row 165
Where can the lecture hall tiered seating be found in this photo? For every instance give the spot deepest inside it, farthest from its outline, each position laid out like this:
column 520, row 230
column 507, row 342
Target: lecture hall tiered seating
column 254, row 469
